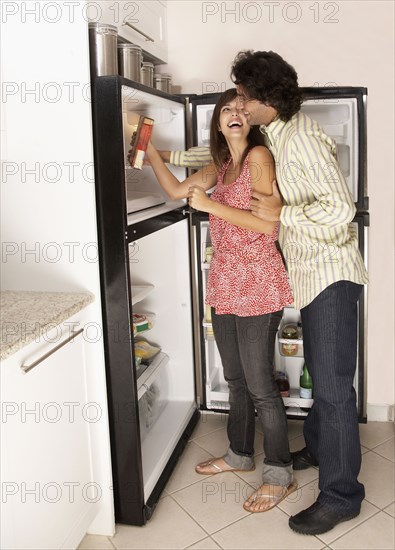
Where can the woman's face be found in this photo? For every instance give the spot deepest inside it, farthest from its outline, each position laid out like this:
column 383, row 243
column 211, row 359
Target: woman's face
column 232, row 121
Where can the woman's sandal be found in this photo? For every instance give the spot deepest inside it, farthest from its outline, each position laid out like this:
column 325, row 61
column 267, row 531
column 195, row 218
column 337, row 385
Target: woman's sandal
column 269, row 496
column 211, row 467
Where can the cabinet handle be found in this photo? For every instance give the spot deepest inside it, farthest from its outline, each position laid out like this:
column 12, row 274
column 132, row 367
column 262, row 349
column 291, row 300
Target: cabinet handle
column 147, row 38
column 26, row 368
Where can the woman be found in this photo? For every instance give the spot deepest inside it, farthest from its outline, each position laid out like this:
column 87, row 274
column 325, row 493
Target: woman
column 247, row 289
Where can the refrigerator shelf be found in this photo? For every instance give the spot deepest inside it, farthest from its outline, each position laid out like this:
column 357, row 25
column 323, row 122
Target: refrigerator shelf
column 205, row 266
column 221, row 398
column 139, row 292
column 148, row 376
column 220, row 404
column 296, row 411
column 294, row 401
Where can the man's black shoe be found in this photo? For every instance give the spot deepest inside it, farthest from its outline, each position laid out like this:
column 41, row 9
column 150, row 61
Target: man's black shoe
column 317, row 519
column 303, row 459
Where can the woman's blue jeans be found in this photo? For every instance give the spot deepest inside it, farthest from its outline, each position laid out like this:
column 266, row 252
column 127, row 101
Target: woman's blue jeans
column 331, row 428
column 246, row 346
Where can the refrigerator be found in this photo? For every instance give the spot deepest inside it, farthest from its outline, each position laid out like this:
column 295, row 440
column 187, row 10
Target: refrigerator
column 162, row 364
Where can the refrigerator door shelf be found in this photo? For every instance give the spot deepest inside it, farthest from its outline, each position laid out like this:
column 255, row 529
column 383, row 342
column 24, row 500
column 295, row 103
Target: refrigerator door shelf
column 217, row 387
column 149, row 375
column 219, row 399
column 296, row 412
column 161, row 439
column 295, row 401
column 289, row 347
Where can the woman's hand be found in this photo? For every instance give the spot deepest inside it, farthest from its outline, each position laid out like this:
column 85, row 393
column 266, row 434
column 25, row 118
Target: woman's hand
column 150, row 148
column 198, row 199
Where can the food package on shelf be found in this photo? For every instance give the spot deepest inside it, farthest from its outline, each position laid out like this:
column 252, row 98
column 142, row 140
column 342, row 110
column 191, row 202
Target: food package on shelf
column 290, row 339
column 141, row 133
column 145, row 352
column 142, row 322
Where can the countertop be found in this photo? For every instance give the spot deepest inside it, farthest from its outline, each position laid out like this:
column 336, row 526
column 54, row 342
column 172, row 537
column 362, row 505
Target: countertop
column 26, row 315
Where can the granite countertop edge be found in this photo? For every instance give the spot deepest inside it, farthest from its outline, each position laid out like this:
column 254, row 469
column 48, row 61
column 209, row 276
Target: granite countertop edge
column 27, row 315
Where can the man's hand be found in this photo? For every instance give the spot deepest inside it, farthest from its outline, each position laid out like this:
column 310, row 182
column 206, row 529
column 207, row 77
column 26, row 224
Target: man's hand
column 267, row 207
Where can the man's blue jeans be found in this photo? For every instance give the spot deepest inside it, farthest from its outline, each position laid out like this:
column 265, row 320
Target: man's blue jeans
column 331, row 428
column 246, row 347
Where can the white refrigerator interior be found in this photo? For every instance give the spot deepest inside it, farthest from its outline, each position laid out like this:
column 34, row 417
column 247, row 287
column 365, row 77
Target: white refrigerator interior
column 337, row 117
column 143, row 190
column 166, row 390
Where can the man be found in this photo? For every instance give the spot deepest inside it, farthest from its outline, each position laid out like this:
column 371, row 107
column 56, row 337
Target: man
column 326, row 272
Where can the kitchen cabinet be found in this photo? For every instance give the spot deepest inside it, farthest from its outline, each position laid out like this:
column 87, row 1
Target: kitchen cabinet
column 48, row 207
column 49, row 493
column 143, row 23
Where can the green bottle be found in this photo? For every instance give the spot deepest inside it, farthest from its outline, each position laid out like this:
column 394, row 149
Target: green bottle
column 305, row 384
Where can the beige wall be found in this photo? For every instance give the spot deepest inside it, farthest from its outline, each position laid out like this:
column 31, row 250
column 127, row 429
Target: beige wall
column 337, row 43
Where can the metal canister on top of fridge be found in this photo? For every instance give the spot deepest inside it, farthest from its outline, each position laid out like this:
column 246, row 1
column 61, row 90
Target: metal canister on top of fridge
column 103, row 49
column 129, row 61
column 147, row 74
column 169, row 83
column 160, row 82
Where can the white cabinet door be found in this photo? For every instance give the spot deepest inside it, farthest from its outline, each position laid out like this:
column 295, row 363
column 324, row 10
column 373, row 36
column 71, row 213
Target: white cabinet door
column 143, row 23
column 48, row 496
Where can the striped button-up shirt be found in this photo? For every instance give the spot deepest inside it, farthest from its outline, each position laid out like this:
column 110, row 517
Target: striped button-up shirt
column 318, row 240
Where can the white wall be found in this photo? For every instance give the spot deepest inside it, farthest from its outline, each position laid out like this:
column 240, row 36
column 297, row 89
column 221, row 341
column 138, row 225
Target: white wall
column 329, row 43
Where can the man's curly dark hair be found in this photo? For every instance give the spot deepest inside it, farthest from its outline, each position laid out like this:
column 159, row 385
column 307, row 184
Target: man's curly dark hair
column 266, row 76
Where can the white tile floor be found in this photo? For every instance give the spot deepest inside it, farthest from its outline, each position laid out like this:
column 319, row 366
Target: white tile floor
column 206, row 512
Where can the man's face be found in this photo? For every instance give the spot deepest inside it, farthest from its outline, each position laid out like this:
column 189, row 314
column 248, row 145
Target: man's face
column 255, row 111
